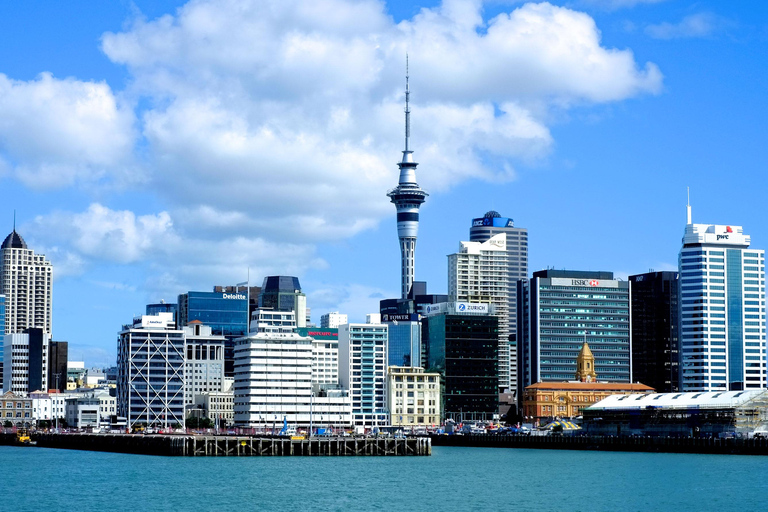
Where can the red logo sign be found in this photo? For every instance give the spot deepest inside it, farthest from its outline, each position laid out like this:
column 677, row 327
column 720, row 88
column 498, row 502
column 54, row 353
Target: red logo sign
column 594, row 282
column 728, row 229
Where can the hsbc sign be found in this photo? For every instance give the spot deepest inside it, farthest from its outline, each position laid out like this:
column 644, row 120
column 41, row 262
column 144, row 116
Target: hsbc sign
column 592, row 283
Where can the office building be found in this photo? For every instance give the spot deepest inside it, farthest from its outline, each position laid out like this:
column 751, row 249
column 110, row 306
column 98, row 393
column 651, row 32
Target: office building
column 26, row 280
column 2, row 330
column 226, row 313
column 656, row 330
column 274, row 377
column 283, row 293
column 565, row 309
column 461, row 343
column 218, row 406
column 26, row 361
column 362, row 370
column 58, row 352
column 482, row 230
column 90, row 409
column 413, row 397
column 151, row 372
column 325, row 354
column 478, row 273
column 204, row 361
column 407, row 198
column 15, row 408
column 162, row 307
column 333, row 320
column 722, row 309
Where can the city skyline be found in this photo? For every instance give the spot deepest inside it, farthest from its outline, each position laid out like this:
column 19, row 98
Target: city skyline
column 137, row 175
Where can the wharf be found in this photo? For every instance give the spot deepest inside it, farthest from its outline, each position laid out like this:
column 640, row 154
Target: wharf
column 233, row 446
column 733, row 446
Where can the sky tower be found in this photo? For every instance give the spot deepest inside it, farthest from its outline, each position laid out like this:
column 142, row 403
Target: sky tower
column 407, row 198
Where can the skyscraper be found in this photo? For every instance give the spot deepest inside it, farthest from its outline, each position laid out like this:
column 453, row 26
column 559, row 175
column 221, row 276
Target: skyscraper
column 2, row 331
column 26, row 281
column 478, row 274
column 656, row 330
column 483, row 228
column 722, row 309
column 283, row 293
column 407, row 198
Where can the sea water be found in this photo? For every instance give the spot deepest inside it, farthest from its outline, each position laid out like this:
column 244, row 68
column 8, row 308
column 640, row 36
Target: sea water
column 452, row 479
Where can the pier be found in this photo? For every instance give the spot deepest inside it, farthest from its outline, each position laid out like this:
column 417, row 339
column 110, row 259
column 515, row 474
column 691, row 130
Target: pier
column 733, row 446
column 231, row 446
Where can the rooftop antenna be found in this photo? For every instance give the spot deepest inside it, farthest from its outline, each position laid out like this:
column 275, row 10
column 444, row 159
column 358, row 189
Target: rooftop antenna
column 14, row 220
column 407, row 108
column 688, row 208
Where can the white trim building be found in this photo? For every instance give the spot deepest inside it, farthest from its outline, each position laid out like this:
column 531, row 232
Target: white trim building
column 363, row 358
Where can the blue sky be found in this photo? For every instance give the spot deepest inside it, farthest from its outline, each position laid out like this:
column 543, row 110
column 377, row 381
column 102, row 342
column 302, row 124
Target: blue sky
column 150, row 148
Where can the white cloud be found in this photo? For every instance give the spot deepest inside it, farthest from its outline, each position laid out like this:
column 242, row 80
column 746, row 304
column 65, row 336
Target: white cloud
column 701, row 24
column 613, row 5
column 62, row 132
column 353, row 299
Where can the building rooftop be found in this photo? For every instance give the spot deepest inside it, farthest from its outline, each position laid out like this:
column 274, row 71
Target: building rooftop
column 592, row 386
column 708, row 400
column 14, row 241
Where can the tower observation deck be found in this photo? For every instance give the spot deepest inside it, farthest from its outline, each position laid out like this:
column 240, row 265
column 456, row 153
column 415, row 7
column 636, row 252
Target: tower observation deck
column 407, row 198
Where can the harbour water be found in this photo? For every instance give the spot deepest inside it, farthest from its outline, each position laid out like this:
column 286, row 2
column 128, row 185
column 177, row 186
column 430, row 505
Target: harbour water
column 453, row 478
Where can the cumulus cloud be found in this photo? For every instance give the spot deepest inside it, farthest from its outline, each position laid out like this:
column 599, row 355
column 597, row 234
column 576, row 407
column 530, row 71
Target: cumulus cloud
column 61, row 132
column 696, row 25
column 613, row 5
column 353, row 299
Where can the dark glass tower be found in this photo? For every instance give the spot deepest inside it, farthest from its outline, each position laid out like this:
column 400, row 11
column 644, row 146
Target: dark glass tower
column 656, row 330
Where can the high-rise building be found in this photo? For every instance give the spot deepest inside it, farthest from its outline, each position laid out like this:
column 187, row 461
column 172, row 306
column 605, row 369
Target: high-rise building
column 226, row 313
column 565, row 309
column 407, row 198
column 325, row 354
column 722, row 309
column 162, row 307
column 413, row 398
column 26, row 280
column 656, row 330
column 204, row 361
column 151, row 371
column 283, row 293
column 461, row 343
column 482, row 230
column 478, row 273
column 274, row 377
column 333, row 320
column 26, row 361
column 363, row 371
column 58, row 353
column 2, row 330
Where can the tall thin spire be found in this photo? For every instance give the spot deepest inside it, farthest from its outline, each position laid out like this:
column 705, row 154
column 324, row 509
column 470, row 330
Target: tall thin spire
column 407, row 108
column 14, row 220
column 688, row 207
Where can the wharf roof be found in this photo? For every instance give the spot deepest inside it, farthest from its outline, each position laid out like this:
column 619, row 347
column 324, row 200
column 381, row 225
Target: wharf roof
column 591, row 386
column 701, row 400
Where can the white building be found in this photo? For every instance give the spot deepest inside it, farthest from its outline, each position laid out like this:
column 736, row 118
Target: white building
column 413, row 397
column 25, row 361
column 479, row 273
column 273, row 376
column 204, row 361
column 42, row 406
column 26, row 280
column 218, row 406
column 362, row 370
column 722, row 309
column 325, row 361
column 150, row 366
column 333, row 320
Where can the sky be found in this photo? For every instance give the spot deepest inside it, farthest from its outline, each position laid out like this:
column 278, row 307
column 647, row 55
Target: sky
column 150, row 148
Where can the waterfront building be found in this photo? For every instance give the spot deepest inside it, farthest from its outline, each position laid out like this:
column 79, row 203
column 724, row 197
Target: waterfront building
column 218, row 406
column 90, row 408
column 461, row 343
column 656, row 330
column 333, row 320
column 204, row 361
column 15, row 409
column 325, row 354
column 478, row 273
column 26, row 280
column 692, row 414
column 59, row 406
column 413, row 397
column 516, row 243
column 226, row 313
column 42, row 406
column 26, row 361
column 566, row 308
column 151, row 376
column 407, row 198
column 283, row 293
column 2, row 330
column 722, row 309
column 362, row 370
column 58, row 353
column 274, row 377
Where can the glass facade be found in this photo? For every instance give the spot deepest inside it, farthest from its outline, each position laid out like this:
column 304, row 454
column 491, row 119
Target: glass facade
column 571, row 307
column 464, row 349
column 404, row 344
column 225, row 313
